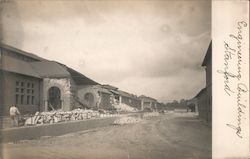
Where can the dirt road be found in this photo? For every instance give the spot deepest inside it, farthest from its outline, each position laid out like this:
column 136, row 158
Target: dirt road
column 170, row 136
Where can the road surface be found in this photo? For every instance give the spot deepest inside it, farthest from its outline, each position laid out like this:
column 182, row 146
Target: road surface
column 169, row 136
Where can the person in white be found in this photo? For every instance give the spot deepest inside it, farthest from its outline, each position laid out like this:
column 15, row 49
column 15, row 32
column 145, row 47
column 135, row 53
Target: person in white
column 14, row 112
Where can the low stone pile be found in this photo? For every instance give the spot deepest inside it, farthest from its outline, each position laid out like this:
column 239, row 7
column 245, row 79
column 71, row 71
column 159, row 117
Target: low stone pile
column 150, row 114
column 63, row 116
column 126, row 120
column 121, row 107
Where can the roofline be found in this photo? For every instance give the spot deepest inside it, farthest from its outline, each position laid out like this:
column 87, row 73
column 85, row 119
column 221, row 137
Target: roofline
column 110, row 86
column 208, row 54
column 126, row 94
column 39, row 77
column 24, row 53
column 200, row 92
column 94, row 82
column 143, row 96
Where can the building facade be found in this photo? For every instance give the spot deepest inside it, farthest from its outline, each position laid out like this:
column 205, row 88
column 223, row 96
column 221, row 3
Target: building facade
column 36, row 84
column 204, row 97
column 123, row 97
column 148, row 103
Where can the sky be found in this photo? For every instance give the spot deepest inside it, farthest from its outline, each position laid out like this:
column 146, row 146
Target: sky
column 154, row 48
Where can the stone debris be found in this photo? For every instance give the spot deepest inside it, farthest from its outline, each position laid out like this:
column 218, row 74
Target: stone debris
column 121, row 107
column 150, row 114
column 62, row 116
column 127, row 120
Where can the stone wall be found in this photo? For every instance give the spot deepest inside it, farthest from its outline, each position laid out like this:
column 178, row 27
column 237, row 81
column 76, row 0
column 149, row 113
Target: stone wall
column 65, row 88
column 73, row 89
column 89, row 89
column 131, row 102
column 105, row 102
column 102, row 100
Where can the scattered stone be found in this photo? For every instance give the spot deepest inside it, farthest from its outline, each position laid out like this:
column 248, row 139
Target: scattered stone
column 126, row 120
column 150, row 114
column 63, row 116
column 121, row 107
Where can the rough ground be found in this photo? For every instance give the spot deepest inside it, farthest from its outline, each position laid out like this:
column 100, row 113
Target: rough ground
column 170, row 136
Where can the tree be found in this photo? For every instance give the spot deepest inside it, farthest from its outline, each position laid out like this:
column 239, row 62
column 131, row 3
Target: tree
column 183, row 102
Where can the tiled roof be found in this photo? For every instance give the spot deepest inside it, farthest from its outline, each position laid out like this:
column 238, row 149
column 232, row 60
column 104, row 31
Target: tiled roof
column 126, row 94
column 143, row 96
column 114, row 91
column 79, row 78
column 101, row 89
column 49, row 69
column 107, row 86
column 18, row 66
column 203, row 90
column 41, row 68
column 208, row 55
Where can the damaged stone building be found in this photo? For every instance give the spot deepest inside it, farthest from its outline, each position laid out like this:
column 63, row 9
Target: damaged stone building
column 35, row 84
column 104, row 96
column 124, row 97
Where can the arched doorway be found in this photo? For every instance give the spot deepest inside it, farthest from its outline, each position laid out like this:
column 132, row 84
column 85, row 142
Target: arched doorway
column 54, row 99
column 89, row 98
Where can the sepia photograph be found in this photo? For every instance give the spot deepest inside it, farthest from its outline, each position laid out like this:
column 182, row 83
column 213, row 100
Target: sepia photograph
column 103, row 79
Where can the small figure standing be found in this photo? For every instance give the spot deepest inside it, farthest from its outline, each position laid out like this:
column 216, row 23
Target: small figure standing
column 14, row 113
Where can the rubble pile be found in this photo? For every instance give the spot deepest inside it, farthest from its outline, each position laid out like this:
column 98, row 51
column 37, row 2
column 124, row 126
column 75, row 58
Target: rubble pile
column 150, row 114
column 126, row 120
column 121, row 107
column 63, row 116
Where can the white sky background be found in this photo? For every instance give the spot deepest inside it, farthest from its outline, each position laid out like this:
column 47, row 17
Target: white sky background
column 153, row 48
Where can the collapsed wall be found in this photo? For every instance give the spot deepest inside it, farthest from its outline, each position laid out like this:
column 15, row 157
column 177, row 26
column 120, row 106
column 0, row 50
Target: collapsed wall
column 100, row 98
column 73, row 96
column 95, row 97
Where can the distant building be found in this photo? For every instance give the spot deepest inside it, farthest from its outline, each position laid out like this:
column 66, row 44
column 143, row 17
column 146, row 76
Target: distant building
column 130, row 99
column 148, row 102
column 124, row 97
column 204, row 97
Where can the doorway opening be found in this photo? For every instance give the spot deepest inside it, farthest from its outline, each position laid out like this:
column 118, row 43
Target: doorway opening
column 54, row 100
